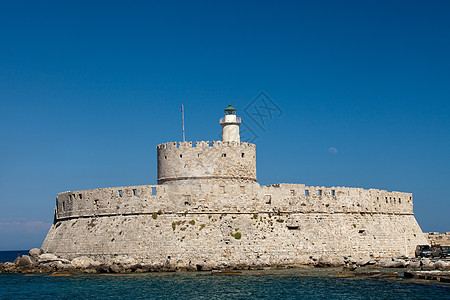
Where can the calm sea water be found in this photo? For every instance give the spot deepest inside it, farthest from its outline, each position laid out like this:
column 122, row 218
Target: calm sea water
column 271, row 284
column 11, row 255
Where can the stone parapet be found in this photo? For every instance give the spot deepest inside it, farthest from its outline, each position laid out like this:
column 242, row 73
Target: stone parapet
column 230, row 197
column 436, row 238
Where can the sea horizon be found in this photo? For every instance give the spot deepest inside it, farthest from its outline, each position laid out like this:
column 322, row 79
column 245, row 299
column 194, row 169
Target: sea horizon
column 11, row 255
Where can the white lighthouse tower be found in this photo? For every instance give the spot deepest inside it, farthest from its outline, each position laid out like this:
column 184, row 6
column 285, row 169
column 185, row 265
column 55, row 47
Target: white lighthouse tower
column 230, row 125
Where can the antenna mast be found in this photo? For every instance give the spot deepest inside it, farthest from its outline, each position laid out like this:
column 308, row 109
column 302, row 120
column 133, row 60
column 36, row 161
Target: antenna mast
column 182, row 117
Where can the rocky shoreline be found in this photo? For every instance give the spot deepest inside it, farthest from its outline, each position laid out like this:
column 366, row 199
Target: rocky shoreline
column 38, row 262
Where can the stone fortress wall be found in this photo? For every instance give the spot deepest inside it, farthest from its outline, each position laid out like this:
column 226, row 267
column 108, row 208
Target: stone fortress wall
column 197, row 224
column 208, row 211
column 436, row 238
column 230, row 198
column 204, row 160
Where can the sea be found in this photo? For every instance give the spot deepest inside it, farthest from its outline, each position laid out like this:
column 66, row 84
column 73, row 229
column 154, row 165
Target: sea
column 308, row 283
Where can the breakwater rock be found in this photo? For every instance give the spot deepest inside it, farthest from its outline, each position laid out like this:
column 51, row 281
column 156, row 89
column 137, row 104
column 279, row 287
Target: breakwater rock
column 38, row 262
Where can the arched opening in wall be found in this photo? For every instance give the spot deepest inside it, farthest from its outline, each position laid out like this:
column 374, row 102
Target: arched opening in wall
column 134, row 192
column 306, row 192
column 399, row 200
column 80, row 196
column 181, row 155
column 242, row 154
column 153, row 190
column 120, row 193
column 387, row 200
column 224, row 155
column 198, row 155
column 165, row 156
column 333, row 193
column 320, row 192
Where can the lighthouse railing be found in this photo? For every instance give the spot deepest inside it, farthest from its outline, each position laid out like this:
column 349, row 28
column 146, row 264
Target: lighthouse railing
column 238, row 121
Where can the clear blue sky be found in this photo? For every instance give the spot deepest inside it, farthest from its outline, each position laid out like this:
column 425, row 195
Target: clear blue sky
column 89, row 88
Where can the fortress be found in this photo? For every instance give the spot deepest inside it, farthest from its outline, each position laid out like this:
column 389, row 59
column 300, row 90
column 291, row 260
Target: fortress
column 208, row 211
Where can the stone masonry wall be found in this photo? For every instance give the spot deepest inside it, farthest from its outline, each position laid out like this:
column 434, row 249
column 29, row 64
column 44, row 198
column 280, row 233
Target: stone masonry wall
column 206, row 160
column 234, row 239
column 230, row 197
column 197, row 224
column 436, row 238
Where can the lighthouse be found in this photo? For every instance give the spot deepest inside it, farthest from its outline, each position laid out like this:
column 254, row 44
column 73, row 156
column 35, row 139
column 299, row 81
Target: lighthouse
column 230, row 125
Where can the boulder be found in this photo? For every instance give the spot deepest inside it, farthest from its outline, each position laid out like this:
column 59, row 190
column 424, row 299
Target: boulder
column 425, row 261
column 102, row 268
column 25, row 261
column 363, row 261
column 126, row 261
column 115, row 268
column 47, row 257
column 427, row 264
column 401, row 263
column 35, row 252
column 349, row 267
column 47, row 267
column 83, row 262
column 90, row 271
column 9, row 266
column 324, row 262
column 414, row 265
column 389, row 263
column 442, row 265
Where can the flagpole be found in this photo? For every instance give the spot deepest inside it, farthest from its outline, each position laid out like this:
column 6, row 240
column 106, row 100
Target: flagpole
column 182, row 116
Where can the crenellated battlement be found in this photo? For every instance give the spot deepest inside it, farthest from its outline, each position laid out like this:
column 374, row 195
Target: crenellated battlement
column 203, row 144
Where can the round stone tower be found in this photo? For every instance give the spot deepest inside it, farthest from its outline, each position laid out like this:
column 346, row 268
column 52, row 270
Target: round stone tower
column 209, row 162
